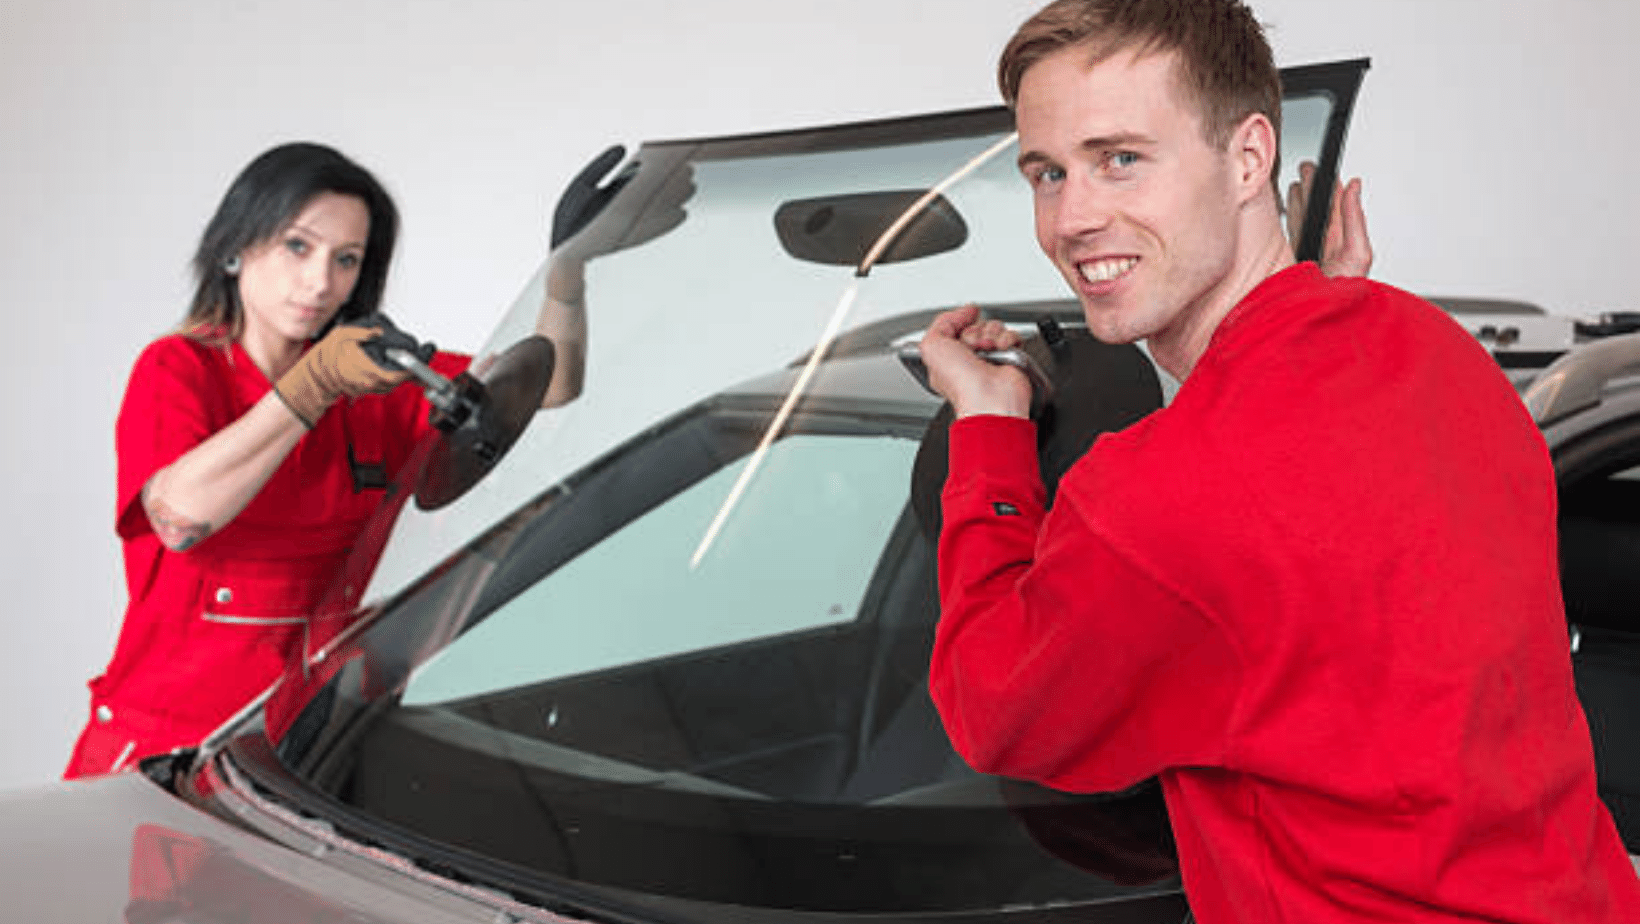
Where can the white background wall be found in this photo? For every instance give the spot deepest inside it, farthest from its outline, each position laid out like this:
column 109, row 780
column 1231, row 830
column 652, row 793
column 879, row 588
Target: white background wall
column 1497, row 137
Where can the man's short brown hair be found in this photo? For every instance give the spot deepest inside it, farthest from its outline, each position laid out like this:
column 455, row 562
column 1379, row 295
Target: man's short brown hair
column 1224, row 60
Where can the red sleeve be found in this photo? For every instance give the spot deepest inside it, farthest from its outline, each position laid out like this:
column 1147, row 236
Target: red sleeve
column 1057, row 659
column 167, row 410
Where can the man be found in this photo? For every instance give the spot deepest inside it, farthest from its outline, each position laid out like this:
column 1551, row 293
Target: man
column 1317, row 594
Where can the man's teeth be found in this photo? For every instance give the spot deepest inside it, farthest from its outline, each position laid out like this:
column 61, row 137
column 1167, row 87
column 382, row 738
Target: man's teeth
column 1106, row 270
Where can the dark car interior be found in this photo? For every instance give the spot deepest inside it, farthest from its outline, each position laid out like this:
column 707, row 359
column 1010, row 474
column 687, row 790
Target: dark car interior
column 1600, row 580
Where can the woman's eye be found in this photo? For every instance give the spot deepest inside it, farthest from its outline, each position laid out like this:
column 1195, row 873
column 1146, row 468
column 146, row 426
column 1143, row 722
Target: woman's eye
column 348, row 261
column 296, row 245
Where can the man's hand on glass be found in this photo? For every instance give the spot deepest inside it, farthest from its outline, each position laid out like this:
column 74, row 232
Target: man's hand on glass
column 1346, row 249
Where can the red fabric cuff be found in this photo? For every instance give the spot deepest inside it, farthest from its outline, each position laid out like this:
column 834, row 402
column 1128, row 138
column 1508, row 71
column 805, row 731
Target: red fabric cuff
column 1002, row 448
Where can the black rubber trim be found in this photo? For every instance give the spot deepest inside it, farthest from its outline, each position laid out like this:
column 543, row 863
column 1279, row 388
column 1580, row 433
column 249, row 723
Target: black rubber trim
column 1340, row 81
column 1608, row 448
column 1527, row 359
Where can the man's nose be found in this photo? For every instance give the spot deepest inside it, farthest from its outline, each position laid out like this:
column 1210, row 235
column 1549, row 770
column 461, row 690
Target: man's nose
column 1085, row 207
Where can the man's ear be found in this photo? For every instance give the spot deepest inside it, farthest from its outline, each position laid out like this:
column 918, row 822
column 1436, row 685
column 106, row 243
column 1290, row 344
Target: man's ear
column 1255, row 148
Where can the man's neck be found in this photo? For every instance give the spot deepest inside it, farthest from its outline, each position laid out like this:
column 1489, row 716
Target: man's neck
column 1180, row 347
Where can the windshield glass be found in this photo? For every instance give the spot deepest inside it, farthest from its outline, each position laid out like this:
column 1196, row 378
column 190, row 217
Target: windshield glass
column 674, row 648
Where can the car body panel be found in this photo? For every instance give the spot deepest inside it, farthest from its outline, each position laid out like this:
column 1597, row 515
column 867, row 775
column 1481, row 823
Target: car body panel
column 121, row 848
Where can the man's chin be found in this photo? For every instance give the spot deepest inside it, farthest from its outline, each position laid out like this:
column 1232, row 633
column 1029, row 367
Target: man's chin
column 1107, row 328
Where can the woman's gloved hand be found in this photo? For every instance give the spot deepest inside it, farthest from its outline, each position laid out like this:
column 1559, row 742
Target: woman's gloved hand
column 333, row 367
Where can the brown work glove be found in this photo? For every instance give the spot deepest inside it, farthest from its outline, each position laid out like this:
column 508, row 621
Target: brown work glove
column 333, row 367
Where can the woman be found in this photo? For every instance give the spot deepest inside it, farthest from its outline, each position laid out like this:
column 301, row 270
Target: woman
column 253, row 446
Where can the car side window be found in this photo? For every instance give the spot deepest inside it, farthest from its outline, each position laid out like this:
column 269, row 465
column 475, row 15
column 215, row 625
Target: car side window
column 1303, row 129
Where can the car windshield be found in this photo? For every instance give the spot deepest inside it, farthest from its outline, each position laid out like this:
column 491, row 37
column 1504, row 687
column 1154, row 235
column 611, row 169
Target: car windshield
column 672, row 652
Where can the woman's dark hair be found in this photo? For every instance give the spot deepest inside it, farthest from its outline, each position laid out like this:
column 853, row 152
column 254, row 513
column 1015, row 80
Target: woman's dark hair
column 266, row 196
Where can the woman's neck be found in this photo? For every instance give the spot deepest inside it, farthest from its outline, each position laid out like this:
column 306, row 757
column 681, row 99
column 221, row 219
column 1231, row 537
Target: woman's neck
column 271, row 353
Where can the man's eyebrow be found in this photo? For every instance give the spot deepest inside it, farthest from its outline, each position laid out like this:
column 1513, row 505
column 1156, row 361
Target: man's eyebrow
column 1117, row 140
column 1100, row 143
column 1031, row 159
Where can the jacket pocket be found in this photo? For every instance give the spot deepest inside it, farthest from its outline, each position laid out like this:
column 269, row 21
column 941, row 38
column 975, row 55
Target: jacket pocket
column 258, row 596
column 250, row 626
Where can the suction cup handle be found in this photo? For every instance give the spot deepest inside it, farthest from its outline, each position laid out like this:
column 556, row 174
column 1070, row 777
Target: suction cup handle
column 1042, row 388
column 387, row 348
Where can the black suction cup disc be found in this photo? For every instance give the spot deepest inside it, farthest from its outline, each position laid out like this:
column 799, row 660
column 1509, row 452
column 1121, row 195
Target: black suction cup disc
column 1098, row 388
column 505, row 396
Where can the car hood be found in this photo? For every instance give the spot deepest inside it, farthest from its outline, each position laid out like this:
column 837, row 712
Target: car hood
column 121, row 849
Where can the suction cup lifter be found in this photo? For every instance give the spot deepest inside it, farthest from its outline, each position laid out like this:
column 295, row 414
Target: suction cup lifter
column 452, row 404
column 1037, row 368
column 486, row 414
column 453, row 400
column 479, row 416
column 1080, row 388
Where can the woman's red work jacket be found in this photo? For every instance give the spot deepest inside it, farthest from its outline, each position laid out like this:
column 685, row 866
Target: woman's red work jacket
column 208, row 629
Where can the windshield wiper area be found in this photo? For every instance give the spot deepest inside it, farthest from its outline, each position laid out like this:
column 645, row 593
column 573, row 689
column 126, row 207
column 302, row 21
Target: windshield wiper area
column 247, row 782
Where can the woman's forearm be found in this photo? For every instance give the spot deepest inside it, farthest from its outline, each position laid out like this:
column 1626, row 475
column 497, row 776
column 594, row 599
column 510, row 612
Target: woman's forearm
column 206, row 487
column 563, row 320
column 566, row 326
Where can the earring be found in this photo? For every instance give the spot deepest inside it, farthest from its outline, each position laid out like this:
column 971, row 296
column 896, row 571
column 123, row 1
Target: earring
column 231, row 265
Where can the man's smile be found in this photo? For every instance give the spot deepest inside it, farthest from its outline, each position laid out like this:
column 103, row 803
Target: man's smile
column 1106, row 269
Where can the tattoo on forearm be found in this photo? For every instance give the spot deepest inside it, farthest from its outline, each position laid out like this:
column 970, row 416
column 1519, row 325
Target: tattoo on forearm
column 175, row 531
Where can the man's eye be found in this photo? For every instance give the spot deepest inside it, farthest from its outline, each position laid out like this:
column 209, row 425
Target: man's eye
column 1122, row 160
column 1047, row 175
